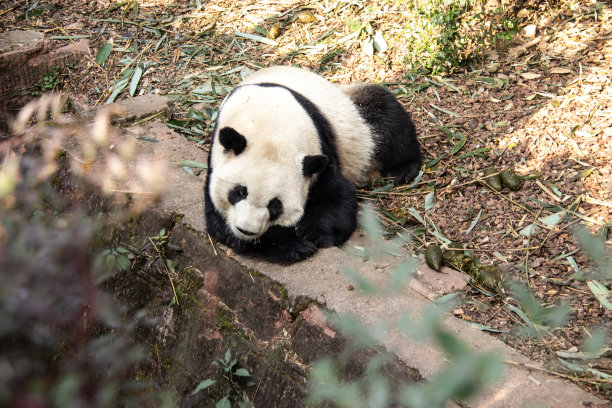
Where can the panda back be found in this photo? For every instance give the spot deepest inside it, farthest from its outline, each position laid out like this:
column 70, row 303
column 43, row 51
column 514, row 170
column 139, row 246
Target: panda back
column 354, row 138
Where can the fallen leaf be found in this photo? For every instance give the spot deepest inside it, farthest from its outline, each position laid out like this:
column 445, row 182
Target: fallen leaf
column 560, row 70
column 530, row 75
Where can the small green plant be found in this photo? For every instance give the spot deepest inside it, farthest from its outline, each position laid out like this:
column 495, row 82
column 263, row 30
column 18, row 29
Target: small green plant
column 117, row 257
column 233, row 395
column 446, row 33
column 49, row 82
column 159, row 241
column 435, row 37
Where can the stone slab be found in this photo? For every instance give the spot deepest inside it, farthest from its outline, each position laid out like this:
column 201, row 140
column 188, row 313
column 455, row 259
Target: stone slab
column 142, row 107
column 186, row 191
column 321, row 278
column 25, row 58
column 12, row 40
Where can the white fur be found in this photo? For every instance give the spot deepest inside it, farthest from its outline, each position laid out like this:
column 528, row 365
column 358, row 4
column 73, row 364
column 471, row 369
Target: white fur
column 279, row 134
column 354, row 138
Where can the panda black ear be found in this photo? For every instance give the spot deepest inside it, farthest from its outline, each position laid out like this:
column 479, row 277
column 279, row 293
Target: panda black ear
column 232, row 140
column 314, row 164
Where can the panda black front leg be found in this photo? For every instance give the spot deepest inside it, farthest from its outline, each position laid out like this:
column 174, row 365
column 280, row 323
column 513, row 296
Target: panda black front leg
column 330, row 214
column 282, row 245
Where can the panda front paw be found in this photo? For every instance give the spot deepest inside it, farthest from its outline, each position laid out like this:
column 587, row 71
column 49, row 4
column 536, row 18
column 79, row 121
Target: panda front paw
column 294, row 251
column 319, row 238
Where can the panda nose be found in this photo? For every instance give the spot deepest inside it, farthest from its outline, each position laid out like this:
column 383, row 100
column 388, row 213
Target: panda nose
column 246, row 232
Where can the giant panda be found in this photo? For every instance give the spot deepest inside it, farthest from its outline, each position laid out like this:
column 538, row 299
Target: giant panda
column 286, row 153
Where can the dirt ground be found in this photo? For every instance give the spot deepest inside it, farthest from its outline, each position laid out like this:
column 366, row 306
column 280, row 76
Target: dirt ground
column 540, row 105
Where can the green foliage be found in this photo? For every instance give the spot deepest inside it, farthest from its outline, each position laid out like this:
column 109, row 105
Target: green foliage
column 49, row 82
column 49, row 307
column 535, row 316
column 159, row 242
column 595, row 248
column 445, row 33
column 64, row 342
column 232, row 395
column 117, row 257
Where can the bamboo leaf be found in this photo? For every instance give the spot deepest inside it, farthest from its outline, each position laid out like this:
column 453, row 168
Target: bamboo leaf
column 601, row 293
column 459, row 145
column 484, row 328
column 522, row 315
column 103, row 53
column 430, row 200
column 477, row 152
column 136, row 75
column 379, row 42
column 258, row 38
column 474, row 222
column 529, row 230
column 434, row 161
column 119, row 86
column 192, row 163
column 416, row 215
column 453, row 114
column 554, row 219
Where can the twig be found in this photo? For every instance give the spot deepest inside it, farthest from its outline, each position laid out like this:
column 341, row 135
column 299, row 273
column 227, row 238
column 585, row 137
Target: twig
column 547, row 191
column 213, row 245
column 167, row 270
column 547, row 371
column 15, row 6
column 527, row 254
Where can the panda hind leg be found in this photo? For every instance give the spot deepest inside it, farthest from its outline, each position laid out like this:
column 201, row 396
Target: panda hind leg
column 403, row 173
column 397, row 150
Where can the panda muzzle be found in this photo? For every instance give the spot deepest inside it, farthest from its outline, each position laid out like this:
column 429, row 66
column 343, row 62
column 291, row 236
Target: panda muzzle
column 245, row 232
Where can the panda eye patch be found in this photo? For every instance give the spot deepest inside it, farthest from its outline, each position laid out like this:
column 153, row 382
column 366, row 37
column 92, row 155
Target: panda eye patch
column 275, row 208
column 237, row 194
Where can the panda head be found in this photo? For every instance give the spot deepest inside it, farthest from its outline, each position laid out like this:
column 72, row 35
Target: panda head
column 258, row 183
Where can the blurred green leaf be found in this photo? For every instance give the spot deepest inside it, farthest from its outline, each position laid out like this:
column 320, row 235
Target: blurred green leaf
column 361, row 282
column 242, row 372
column 596, row 249
column 601, row 293
column 224, row 403
column 402, row 273
column 203, row 385
column 595, row 344
column 430, row 200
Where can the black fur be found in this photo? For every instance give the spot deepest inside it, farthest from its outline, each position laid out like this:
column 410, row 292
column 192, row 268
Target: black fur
column 237, row 194
column 397, row 150
column 275, row 208
column 232, row 140
column 312, row 165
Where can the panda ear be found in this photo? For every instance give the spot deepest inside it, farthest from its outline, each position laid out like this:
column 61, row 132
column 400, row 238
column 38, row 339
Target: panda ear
column 314, row 164
column 232, row 140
